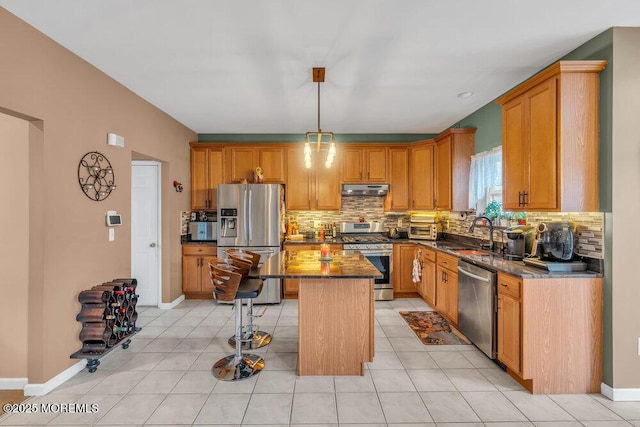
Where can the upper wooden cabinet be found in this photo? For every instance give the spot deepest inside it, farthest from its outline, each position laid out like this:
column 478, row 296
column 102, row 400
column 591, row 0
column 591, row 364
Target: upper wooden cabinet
column 398, row 172
column 241, row 162
column 207, row 172
column 364, row 164
column 550, row 139
column 453, row 151
column 421, row 175
column 317, row 188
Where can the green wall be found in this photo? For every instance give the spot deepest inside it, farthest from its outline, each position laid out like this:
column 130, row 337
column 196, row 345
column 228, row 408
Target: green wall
column 292, row 137
column 488, row 121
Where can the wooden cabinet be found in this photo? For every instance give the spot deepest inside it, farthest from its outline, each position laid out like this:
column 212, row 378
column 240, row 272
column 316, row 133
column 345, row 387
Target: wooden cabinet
column 364, row 164
column 195, row 270
column 447, row 286
column 317, row 188
column 550, row 332
column 429, row 276
column 453, row 151
column 291, row 286
column 550, row 139
column 206, row 173
column 403, row 255
column 398, row 173
column 509, row 310
column 242, row 162
column 421, row 175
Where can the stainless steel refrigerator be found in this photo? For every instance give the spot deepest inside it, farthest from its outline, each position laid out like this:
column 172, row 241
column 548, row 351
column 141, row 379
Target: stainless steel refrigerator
column 249, row 218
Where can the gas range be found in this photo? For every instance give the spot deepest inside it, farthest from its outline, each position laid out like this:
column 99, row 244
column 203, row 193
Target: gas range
column 367, row 238
column 364, row 236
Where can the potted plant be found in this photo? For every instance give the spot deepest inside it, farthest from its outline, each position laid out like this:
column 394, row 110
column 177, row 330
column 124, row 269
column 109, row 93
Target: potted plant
column 493, row 210
column 522, row 218
column 505, row 219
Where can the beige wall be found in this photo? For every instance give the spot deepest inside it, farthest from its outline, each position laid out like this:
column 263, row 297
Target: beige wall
column 14, row 245
column 74, row 106
column 626, row 205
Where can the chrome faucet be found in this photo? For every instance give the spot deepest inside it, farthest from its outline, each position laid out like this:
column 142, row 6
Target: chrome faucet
column 473, row 226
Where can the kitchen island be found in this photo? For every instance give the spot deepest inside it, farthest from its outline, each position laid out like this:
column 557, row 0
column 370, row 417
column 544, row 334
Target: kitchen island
column 335, row 309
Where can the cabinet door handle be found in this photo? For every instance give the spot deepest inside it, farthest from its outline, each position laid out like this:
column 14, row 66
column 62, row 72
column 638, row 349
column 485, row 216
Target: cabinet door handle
column 525, row 197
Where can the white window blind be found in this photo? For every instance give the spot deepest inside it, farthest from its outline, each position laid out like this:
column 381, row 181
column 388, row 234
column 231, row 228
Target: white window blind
column 485, row 179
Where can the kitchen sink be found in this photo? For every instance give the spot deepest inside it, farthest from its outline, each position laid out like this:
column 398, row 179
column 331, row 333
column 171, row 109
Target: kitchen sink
column 471, row 252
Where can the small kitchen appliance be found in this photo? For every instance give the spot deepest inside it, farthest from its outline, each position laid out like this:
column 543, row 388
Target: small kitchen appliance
column 519, row 242
column 367, row 238
column 424, row 227
column 203, row 231
column 558, row 242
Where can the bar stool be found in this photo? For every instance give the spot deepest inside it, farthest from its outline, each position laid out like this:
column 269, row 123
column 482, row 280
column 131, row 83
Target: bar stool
column 227, row 286
column 242, row 259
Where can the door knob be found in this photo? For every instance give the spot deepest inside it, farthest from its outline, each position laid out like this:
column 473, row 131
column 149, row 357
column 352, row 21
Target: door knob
column 153, row 245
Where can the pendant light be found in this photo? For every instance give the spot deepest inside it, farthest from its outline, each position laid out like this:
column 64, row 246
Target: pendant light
column 318, row 77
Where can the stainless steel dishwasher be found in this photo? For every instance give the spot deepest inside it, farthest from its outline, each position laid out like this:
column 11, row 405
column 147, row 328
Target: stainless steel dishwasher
column 477, row 306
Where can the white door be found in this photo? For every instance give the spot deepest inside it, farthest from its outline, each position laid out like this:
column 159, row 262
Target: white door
column 145, row 230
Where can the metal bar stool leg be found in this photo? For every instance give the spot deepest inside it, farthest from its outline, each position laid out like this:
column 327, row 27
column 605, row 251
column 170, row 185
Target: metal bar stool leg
column 240, row 365
column 253, row 338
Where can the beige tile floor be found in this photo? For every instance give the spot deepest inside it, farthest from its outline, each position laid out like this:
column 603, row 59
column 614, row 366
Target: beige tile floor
column 164, row 378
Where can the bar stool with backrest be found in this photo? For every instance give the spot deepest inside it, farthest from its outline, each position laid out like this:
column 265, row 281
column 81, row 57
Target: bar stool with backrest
column 228, row 286
column 239, row 257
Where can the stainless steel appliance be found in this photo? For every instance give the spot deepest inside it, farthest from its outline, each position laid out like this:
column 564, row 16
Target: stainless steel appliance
column 424, row 227
column 249, row 218
column 205, row 231
column 365, row 189
column 367, row 238
column 477, row 302
column 519, row 242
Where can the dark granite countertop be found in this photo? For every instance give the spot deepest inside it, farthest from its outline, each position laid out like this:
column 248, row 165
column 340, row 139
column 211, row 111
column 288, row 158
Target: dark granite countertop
column 496, row 262
column 337, row 241
column 294, row 264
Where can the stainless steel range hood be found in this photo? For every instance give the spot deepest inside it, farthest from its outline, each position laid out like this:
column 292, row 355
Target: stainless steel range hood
column 365, row 189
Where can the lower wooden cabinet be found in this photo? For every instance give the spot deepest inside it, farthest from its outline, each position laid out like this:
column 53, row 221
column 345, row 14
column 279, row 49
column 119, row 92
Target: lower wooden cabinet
column 447, row 287
column 509, row 309
column 291, row 286
column 550, row 332
column 195, row 270
column 403, row 255
column 429, row 276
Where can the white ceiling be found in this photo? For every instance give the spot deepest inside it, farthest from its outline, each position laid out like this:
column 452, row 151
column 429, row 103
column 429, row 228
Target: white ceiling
column 393, row 66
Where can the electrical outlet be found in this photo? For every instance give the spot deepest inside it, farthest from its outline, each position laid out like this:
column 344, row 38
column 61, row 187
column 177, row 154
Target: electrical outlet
column 638, row 346
column 316, row 223
column 399, row 222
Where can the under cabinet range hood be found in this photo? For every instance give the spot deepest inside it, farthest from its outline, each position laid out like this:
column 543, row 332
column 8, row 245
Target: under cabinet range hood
column 365, row 189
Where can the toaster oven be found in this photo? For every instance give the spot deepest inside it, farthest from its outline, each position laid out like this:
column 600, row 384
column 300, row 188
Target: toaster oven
column 424, row 231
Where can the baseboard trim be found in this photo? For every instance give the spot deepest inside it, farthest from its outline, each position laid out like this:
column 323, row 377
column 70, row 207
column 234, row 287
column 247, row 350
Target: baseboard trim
column 170, row 305
column 42, row 389
column 620, row 394
column 13, row 383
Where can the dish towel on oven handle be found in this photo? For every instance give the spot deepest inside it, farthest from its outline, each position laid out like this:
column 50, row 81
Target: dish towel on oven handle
column 417, row 271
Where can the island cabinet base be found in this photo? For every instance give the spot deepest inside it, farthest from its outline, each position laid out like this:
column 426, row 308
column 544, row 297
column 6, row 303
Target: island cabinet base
column 335, row 326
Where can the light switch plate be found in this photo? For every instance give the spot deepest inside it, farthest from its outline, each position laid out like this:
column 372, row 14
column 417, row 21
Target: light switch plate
column 112, row 234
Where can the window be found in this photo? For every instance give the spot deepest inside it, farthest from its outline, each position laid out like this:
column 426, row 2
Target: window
column 485, row 179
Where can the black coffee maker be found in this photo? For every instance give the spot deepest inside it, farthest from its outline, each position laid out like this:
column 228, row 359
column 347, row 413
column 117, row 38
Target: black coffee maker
column 558, row 240
column 519, row 242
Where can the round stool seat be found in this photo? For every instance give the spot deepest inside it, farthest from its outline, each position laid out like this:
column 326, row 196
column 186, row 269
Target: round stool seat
column 232, row 368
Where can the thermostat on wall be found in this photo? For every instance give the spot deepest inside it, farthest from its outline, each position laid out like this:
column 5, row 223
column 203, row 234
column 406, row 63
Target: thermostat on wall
column 113, row 219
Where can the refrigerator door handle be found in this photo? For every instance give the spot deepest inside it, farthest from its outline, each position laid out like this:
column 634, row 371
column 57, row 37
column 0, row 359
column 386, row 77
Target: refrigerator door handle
column 244, row 218
column 249, row 214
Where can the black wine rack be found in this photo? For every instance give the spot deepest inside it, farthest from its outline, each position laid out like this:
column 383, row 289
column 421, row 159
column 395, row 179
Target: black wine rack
column 108, row 316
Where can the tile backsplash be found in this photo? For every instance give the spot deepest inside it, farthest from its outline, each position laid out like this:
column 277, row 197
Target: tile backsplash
column 353, row 207
column 589, row 228
column 589, row 225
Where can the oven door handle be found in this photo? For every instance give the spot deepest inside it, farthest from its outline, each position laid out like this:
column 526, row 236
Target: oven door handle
column 376, row 253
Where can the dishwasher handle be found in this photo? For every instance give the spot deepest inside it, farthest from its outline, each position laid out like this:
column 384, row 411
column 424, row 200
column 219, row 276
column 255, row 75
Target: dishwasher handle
column 475, row 276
